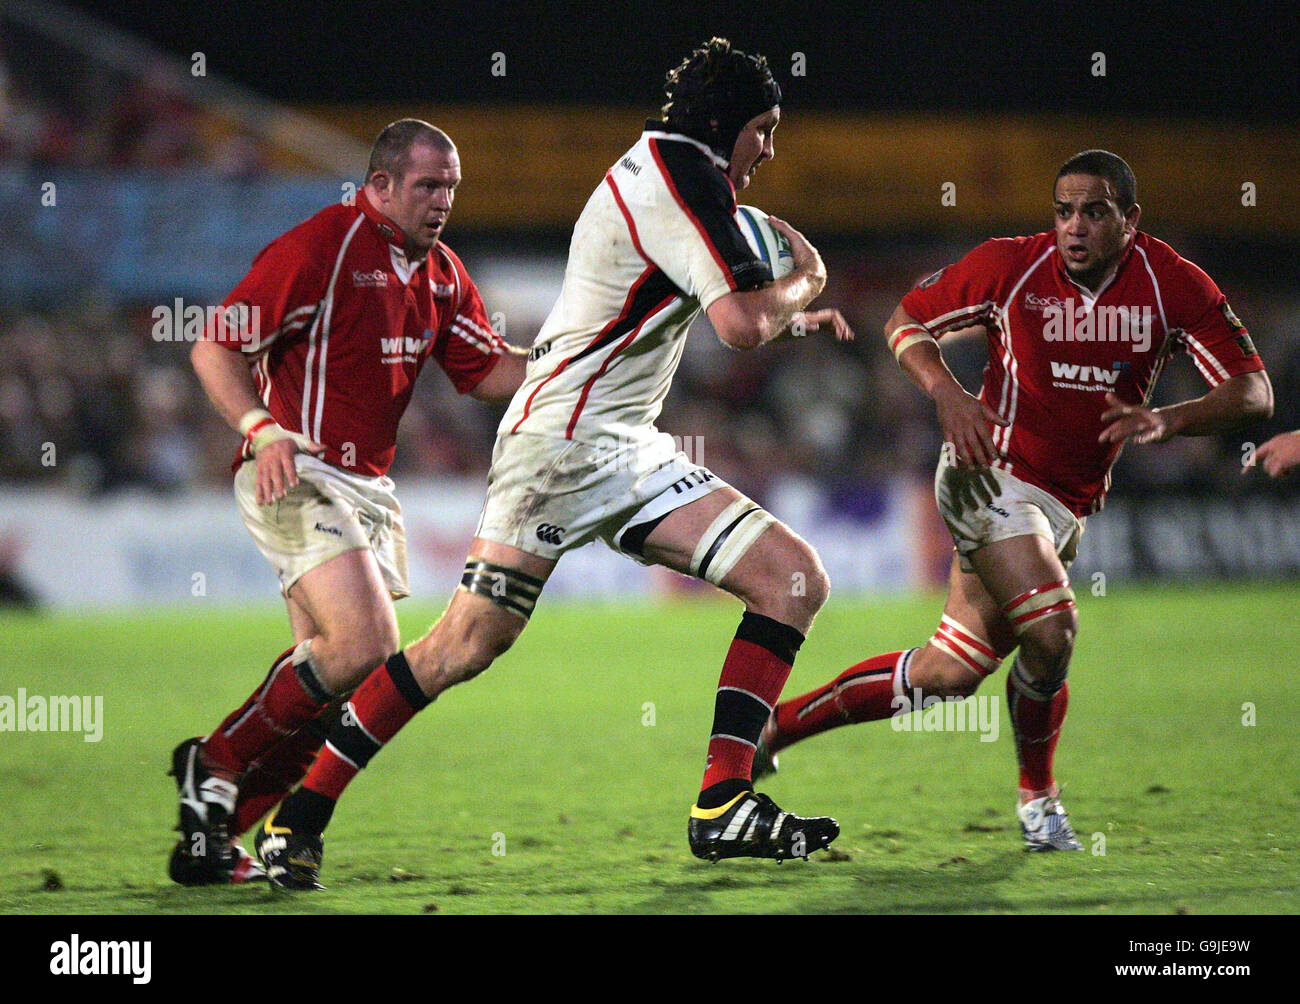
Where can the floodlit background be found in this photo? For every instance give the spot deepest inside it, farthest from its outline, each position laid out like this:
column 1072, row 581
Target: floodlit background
column 148, row 153
column 149, row 150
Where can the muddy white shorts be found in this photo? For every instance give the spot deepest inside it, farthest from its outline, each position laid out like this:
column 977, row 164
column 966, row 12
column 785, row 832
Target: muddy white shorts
column 547, row 495
column 328, row 512
column 1017, row 509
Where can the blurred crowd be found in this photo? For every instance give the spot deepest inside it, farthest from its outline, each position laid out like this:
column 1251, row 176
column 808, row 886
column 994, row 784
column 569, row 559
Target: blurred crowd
column 59, row 109
column 90, row 401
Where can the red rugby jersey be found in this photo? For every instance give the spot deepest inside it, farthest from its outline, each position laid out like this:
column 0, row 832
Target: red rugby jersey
column 1055, row 349
column 344, row 323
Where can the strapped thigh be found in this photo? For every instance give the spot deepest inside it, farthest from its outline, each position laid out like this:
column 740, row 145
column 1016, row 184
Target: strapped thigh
column 506, row 587
column 728, row 538
column 1033, row 605
column 968, row 647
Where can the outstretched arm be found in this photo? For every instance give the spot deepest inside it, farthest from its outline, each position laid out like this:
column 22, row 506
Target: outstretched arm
column 1238, row 401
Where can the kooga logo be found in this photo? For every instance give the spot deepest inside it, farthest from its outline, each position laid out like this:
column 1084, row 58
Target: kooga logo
column 376, row 278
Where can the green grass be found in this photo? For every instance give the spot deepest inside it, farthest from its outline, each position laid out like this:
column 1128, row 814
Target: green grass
column 549, row 749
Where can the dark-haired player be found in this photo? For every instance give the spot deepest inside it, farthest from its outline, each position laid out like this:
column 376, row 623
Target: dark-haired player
column 1080, row 321
column 578, row 458
column 314, row 363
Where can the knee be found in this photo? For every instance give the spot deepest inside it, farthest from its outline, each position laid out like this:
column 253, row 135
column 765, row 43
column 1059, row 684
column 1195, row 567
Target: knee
column 354, row 655
column 809, row 585
column 938, row 674
column 1049, row 643
column 791, row 586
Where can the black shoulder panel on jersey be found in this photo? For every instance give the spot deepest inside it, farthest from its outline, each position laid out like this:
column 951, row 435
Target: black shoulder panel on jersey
column 653, row 290
column 703, row 193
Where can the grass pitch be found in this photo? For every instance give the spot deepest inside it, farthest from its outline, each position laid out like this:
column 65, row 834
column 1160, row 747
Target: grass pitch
column 560, row 780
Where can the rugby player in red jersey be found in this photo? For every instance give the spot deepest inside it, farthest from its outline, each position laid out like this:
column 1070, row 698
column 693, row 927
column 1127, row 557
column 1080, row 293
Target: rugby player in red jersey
column 314, row 362
column 1079, row 322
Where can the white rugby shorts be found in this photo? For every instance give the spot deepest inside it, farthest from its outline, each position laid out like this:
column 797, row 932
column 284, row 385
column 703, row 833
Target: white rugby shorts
column 548, row 495
column 330, row 511
column 1019, row 508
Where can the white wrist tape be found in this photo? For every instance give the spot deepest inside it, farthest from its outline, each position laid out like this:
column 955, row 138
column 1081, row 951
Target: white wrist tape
column 260, row 428
column 907, row 335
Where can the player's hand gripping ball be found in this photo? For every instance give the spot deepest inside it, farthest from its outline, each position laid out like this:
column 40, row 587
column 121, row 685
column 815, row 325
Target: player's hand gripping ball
column 769, row 245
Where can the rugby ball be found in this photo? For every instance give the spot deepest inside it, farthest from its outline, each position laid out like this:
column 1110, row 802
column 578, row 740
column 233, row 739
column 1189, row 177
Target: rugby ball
column 770, row 246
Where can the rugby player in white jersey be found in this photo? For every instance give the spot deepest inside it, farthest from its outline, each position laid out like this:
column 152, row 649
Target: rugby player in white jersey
column 578, row 458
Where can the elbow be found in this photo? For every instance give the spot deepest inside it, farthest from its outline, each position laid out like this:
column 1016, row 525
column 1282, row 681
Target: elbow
column 1260, row 402
column 742, row 320
column 743, row 339
column 747, row 331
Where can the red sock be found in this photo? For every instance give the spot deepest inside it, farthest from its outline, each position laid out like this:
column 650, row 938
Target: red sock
column 386, row 700
column 290, row 697
column 756, row 668
column 275, row 774
column 1036, row 719
column 862, row 693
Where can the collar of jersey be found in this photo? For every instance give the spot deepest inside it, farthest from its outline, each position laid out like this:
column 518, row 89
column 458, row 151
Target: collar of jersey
column 655, row 127
column 1065, row 272
column 387, row 229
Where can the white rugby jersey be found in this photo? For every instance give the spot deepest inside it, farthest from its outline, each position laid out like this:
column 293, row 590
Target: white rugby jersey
column 656, row 243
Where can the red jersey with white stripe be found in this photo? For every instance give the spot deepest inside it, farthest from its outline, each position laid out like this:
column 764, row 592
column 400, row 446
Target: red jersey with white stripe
column 336, row 323
column 656, row 243
column 1055, row 348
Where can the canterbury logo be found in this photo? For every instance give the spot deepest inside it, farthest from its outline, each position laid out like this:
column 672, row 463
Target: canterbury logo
column 550, row 534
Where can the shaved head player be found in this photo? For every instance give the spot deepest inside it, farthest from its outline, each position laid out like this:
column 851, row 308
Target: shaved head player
column 1080, row 320
column 314, row 362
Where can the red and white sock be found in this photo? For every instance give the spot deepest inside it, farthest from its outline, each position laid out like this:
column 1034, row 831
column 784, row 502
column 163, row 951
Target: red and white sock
column 867, row 692
column 290, row 697
column 1037, row 714
column 386, row 700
